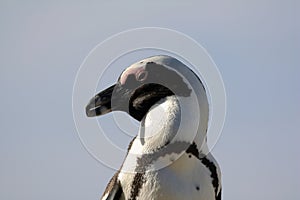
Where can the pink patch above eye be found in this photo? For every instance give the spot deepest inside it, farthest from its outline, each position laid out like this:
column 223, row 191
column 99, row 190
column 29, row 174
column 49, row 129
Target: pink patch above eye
column 135, row 71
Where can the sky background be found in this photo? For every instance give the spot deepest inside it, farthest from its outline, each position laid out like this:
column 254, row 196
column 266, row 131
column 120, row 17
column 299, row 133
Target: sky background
column 255, row 44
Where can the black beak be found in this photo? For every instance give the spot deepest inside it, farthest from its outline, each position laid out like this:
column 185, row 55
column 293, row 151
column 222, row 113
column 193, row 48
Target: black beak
column 114, row 98
column 101, row 103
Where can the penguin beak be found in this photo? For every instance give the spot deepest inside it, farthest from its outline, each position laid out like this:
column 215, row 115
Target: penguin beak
column 101, row 103
column 111, row 99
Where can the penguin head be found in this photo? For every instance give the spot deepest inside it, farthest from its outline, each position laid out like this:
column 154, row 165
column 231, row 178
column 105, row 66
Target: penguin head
column 139, row 87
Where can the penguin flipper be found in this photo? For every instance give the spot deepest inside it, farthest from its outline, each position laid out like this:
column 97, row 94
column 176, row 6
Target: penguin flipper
column 113, row 190
column 219, row 197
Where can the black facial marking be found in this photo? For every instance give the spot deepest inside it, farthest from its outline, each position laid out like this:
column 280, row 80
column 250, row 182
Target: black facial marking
column 130, row 82
column 151, row 85
column 145, row 97
column 160, row 83
column 168, row 78
column 197, row 188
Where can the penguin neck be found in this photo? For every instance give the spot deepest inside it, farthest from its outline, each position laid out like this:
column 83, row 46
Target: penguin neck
column 172, row 119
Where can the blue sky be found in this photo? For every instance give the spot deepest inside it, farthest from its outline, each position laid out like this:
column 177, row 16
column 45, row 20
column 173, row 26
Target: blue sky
column 255, row 44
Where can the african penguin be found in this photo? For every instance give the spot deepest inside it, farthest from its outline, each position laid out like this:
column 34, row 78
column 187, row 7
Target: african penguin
column 168, row 159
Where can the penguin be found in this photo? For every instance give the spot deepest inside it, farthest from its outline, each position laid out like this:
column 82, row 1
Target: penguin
column 169, row 158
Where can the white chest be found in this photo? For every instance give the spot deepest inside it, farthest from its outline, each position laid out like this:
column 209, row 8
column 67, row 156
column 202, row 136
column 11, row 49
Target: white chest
column 186, row 178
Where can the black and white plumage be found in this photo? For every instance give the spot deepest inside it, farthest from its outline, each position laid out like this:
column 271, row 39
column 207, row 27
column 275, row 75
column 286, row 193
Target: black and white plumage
column 168, row 159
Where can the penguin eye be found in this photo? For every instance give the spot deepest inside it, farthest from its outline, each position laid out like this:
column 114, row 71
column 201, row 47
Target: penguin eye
column 142, row 76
